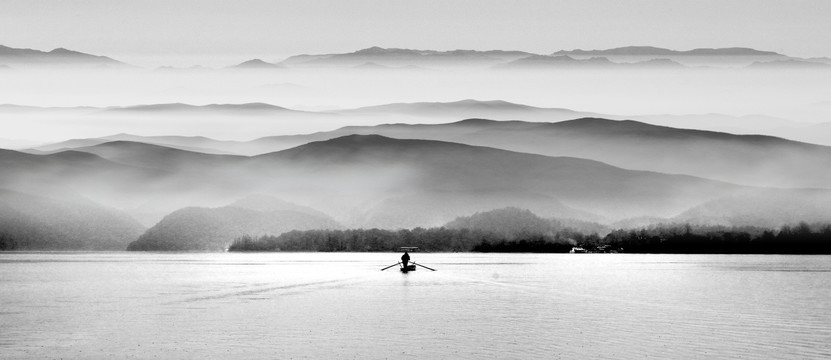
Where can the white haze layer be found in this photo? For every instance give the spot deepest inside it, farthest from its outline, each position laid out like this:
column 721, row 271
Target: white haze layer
column 793, row 95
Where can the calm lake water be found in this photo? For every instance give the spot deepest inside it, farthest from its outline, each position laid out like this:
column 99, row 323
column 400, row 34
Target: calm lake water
column 340, row 306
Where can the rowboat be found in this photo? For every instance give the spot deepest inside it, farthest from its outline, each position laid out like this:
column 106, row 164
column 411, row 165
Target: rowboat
column 411, row 266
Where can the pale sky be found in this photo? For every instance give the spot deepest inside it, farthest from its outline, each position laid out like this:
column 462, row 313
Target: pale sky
column 147, row 31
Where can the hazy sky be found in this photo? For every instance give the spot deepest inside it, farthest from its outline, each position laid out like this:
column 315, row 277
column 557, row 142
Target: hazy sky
column 225, row 31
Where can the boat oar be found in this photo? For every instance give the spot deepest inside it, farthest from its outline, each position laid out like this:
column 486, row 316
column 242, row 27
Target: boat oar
column 423, row 266
column 390, row 266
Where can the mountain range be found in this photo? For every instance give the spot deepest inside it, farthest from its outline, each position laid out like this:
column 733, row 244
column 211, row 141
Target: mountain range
column 417, row 112
column 378, row 58
column 385, row 172
column 403, row 57
column 662, row 52
column 629, row 57
column 378, row 181
column 536, row 62
column 744, row 159
column 14, row 57
column 734, row 56
column 210, row 109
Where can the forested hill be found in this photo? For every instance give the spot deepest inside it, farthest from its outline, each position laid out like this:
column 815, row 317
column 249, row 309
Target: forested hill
column 521, row 231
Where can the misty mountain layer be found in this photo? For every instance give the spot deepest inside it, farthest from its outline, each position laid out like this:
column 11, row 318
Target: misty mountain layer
column 36, row 222
column 58, row 57
column 743, row 159
column 214, row 228
column 368, row 181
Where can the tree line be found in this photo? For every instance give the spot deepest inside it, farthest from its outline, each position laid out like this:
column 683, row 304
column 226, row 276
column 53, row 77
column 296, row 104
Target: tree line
column 7, row 242
column 684, row 238
column 439, row 239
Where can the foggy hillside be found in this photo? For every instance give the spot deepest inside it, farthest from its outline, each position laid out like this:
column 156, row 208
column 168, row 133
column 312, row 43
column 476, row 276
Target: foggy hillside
column 789, row 64
column 506, row 222
column 354, row 177
column 744, row 159
column 188, row 143
column 773, row 208
column 469, row 175
column 71, row 171
column 36, row 222
column 265, row 203
column 751, row 160
column 214, row 229
column 371, row 180
column 158, row 157
column 468, row 108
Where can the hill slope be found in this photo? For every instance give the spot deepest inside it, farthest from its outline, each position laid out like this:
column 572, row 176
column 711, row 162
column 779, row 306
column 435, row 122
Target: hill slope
column 459, row 174
column 214, row 229
column 377, row 181
column 744, row 159
column 42, row 223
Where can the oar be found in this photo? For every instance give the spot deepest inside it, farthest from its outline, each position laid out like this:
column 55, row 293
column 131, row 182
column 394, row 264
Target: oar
column 390, row 266
column 423, row 266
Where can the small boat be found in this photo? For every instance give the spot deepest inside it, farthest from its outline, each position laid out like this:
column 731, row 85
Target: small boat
column 411, row 265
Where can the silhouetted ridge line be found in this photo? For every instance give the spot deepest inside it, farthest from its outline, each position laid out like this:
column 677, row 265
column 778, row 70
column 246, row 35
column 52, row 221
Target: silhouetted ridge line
column 58, row 56
column 183, row 106
column 657, row 51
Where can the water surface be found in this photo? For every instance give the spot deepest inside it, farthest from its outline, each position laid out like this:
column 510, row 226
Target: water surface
column 339, row 305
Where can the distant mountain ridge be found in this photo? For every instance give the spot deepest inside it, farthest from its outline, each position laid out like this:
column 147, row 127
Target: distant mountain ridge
column 208, row 107
column 594, row 62
column 628, row 144
column 731, row 56
column 256, row 64
column 466, row 109
column 789, row 64
column 402, row 57
column 657, row 51
column 415, row 112
column 57, row 57
column 746, row 159
column 643, row 56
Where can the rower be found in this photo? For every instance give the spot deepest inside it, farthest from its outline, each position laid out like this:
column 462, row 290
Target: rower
column 405, row 258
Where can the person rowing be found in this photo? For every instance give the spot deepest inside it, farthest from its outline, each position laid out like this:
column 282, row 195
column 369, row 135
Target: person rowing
column 405, row 259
